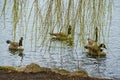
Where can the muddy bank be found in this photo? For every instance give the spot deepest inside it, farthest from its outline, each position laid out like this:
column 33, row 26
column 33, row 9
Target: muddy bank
column 35, row 72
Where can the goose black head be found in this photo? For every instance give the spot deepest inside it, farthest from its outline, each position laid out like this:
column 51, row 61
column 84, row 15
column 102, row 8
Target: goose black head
column 8, row 41
column 21, row 38
column 103, row 46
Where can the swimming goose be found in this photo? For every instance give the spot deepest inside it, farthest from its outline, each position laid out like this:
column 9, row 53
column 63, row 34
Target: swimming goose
column 62, row 36
column 95, row 49
column 15, row 45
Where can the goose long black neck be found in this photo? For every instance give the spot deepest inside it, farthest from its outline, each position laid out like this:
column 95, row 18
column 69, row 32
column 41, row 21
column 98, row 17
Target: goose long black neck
column 20, row 41
column 69, row 29
column 96, row 34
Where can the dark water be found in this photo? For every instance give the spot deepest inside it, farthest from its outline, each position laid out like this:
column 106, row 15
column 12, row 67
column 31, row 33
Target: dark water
column 64, row 57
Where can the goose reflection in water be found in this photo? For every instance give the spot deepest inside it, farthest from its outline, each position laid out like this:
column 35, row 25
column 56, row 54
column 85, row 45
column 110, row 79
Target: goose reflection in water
column 19, row 53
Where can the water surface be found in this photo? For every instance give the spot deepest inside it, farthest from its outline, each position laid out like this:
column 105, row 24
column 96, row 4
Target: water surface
column 64, row 57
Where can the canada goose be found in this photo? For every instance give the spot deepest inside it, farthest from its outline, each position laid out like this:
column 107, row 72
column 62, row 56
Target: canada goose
column 95, row 49
column 15, row 45
column 61, row 35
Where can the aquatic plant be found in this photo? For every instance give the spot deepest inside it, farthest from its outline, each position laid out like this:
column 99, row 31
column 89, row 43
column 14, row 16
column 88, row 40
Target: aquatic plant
column 39, row 18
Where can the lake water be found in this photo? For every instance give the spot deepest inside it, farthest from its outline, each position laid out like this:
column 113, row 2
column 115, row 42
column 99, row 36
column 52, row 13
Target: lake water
column 65, row 57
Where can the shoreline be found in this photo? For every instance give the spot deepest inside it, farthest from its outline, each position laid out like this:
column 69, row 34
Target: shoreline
column 35, row 72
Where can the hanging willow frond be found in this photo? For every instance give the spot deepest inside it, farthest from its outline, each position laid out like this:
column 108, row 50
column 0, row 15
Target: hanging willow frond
column 47, row 16
column 15, row 14
column 3, row 11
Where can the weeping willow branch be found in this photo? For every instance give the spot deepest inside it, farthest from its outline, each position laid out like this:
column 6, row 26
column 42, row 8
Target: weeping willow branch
column 15, row 16
column 3, row 11
column 55, row 15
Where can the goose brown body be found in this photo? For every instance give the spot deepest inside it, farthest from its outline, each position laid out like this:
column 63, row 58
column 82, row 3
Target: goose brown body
column 94, row 49
column 61, row 35
column 15, row 45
